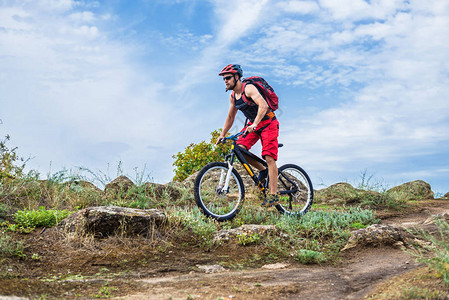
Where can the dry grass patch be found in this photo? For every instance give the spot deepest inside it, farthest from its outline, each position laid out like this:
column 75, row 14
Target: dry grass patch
column 422, row 283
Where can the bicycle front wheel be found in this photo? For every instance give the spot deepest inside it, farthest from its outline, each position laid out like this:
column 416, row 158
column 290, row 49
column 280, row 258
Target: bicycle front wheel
column 212, row 196
column 295, row 190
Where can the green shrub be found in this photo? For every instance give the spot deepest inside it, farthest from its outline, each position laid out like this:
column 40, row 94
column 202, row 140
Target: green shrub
column 196, row 156
column 309, row 256
column 40, row 218
column 11, row 165
column 10, row 246
column 248, row 239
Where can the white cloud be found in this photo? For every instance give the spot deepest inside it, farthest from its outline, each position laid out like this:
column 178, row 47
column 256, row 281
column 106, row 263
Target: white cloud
column 236, row 18
column 232, row 20
column 393, row 56
column 300, row 7
column 64, row 82
column 54, row 6
column 354, row 10
column 84, row 17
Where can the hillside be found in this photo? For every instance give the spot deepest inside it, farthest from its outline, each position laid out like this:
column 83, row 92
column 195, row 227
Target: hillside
column 354, row 243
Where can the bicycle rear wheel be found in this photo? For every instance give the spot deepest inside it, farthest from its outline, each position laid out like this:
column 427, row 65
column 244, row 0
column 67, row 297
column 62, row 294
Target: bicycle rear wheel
column 210, row 195
column 295, row 190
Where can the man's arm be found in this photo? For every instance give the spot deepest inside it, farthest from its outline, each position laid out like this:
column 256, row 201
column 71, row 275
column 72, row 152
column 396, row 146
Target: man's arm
column 229, row 119
column 252, row 92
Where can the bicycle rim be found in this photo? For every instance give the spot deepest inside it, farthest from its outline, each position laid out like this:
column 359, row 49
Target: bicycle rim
column 210, row 195
column 295, row 190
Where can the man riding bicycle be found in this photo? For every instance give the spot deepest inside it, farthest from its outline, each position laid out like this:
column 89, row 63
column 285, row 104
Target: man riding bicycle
column 262, row 125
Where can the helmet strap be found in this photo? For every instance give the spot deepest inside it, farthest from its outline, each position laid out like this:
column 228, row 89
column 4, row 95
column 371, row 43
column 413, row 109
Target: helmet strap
column 235, row 83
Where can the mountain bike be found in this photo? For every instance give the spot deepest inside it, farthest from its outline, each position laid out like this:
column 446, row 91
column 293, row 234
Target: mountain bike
column 220, row 193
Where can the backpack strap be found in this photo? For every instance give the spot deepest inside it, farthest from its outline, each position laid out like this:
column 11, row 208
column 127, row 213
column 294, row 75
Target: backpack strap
column 252, row 102
column 269, row 115
column 244, row 97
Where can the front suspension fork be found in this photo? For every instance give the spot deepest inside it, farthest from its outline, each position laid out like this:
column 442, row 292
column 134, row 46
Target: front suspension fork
column 226, row 177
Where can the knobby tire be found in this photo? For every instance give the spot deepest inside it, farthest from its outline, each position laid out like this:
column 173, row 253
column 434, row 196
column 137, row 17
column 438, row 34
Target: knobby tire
column 211, row 199
column 295, row 190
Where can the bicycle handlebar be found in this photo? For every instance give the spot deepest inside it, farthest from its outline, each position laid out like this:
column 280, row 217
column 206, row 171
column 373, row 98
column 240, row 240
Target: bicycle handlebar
column 232, row 137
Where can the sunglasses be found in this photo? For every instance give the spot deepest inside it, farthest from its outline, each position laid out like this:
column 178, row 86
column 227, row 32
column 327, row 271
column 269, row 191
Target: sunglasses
column 227, row 77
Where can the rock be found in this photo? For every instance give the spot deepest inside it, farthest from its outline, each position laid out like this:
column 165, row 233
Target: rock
column 119, row 185
column 247, row 230
column 377, row 235
column 344, row 193
column 83, row 185
column 414, row 190
column 275, row 266
column 157, row 190
column 190, row 181
column 103, row 221
column 446, row 196
column 211, row 268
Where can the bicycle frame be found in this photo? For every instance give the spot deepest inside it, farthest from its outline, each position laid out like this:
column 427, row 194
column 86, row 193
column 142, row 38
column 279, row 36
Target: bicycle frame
column 240, row 153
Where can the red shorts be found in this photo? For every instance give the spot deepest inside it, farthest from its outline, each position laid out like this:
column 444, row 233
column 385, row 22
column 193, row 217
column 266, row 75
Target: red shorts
column 268, row 137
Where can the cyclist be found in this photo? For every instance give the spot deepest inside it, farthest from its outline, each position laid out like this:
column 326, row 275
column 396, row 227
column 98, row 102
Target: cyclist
column 262, row 125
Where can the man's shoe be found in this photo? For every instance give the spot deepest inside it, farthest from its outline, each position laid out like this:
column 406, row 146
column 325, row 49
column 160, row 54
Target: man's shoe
column 270, row 200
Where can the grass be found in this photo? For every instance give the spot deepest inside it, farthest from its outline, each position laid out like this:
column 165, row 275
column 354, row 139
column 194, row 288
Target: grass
column 309, row 256
column 314, row 238
column 421, row 283
column 10, row 246
column 202, row 228
column 435, row 252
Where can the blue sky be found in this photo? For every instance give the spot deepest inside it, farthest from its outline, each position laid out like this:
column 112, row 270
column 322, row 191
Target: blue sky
column 363, row 85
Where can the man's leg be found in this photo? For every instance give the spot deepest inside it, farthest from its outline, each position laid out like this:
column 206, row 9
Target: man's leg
column 251, row 161
column 273, row 174
column 270, row 153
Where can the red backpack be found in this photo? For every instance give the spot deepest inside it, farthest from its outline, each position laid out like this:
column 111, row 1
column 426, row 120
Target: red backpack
column 264, row 89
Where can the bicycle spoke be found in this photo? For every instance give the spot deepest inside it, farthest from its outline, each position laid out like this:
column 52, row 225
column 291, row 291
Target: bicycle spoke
column 295, row 190
column 211, row 195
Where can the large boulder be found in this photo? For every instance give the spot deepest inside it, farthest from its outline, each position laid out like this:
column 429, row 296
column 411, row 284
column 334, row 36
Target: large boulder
column 378, row 235
column 414, row 190
column 103, row 221
column 344, row 193
column 119, row 185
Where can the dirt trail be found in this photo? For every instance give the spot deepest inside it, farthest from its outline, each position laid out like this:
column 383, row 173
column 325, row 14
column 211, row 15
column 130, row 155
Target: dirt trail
column 358, row 275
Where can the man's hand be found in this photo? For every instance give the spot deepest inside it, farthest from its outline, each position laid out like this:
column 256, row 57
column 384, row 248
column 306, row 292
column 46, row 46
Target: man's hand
column 219, row 139
column 250, row 128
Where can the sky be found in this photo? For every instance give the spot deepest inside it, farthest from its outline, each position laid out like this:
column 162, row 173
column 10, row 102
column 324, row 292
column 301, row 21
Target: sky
column 102, row 85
